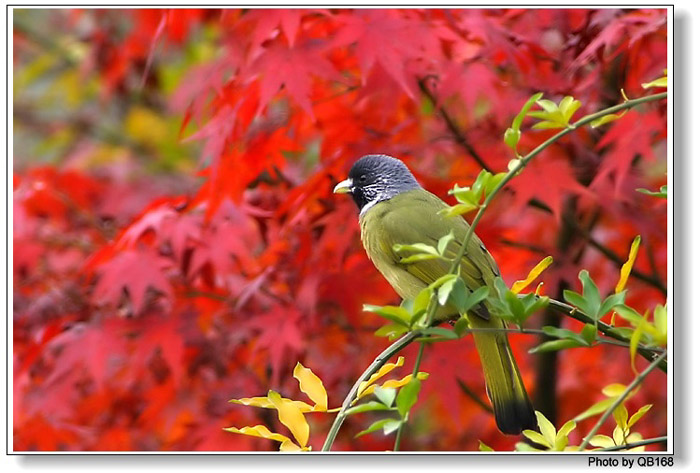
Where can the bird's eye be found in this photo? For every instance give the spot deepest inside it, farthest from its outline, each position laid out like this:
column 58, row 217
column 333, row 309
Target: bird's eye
column 363, row 178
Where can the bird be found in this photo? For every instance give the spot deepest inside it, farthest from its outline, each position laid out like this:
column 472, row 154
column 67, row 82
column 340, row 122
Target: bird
column 395, row 209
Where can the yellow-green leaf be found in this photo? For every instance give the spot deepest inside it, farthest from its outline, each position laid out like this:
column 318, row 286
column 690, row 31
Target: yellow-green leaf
column 562, row 437
column 291, row 417
column 660, row 82
column 537, row 438
column 614, row 390
column 458, row 209
column 610, row 117
column 638, row 415
column 547, row 429
column 312, row 386
column 602, row 441
column 532, row 275
column 484, row 448
column 621, row 415
column 627, row 267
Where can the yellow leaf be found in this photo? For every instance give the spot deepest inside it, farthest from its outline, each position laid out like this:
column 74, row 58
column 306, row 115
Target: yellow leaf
column 312, row 386
column 532, row 275
column 627, row 267
column 614, row 390
column 266, row 403
column 660, row 82
column 259, row 431
column 382, row 371
column 291, row 417
column 289, row 446
column 394, row 383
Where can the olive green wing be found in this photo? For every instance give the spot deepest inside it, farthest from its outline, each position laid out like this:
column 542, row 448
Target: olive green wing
column 414, row 218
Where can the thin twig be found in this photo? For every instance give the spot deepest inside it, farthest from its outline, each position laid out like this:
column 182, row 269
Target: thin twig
column 632, row 445
column 459, row 135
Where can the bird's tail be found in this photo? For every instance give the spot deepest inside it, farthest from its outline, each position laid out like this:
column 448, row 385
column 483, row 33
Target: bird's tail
column 505, row 388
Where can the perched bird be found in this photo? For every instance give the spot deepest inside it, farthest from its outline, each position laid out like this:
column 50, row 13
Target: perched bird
column 394, row 208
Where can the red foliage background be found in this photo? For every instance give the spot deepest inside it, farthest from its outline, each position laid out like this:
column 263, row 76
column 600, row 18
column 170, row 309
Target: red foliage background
column 146, row 295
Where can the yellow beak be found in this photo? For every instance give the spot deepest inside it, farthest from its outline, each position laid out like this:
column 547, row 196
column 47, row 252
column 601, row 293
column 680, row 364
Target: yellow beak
column 343, row 187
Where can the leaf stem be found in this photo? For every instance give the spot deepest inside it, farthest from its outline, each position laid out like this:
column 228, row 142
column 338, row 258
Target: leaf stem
column 635, row 382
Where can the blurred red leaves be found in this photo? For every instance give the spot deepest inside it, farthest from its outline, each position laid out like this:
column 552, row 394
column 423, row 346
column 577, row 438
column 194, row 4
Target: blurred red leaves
column 134, row 324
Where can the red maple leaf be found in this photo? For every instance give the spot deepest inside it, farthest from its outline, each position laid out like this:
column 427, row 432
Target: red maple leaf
column 133, row 271
column 291, row 67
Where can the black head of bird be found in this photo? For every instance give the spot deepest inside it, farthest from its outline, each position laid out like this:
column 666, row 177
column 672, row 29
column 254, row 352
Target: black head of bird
column 395, row 209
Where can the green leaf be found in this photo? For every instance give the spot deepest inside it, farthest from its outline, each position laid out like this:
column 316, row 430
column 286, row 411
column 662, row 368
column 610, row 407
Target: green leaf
column 444, row 241
column 512, row 137
column 590, row 293
column 375, row 426
column 407, row 397
column 420, row 305
column 629, row 314
column 663, row 192
column 396, row 314
column 445, row 290
column 419, row 247
column 419, row 257
column 493, row 181
column 442, row 280
column 367, row 407
column 458, row 209
column 391, row 426
column 563, row 333
column 518, row 120
column 610, row 302
column 555, row 345
column 461, row 326
column 392, row 331
column 576, row 300
column 385, row 395
column 439, row 332
column 589, row 333
column 472, row 299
